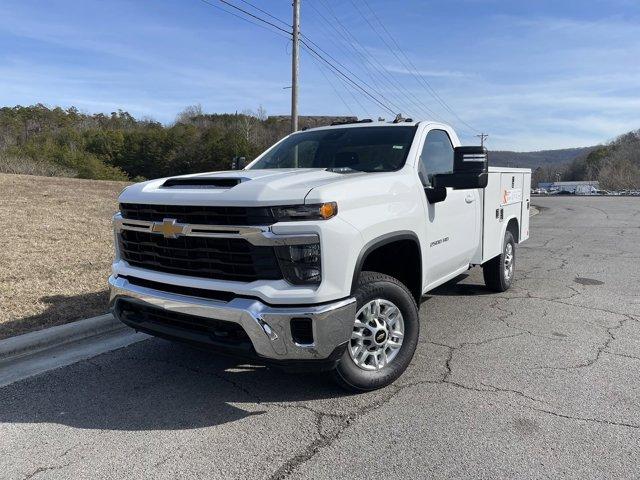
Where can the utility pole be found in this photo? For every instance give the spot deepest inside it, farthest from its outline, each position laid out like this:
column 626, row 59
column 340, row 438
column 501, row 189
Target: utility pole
column 482, row 137
column 294, row 65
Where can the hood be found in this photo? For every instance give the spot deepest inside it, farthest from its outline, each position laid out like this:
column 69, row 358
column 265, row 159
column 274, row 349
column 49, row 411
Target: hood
column 234, row 187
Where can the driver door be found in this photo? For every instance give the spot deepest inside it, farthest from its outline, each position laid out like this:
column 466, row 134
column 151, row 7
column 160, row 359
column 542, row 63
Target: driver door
column 452, row 224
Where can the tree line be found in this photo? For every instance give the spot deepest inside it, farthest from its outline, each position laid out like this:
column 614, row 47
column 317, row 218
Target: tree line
column 615, row 165
column 55, row 141
column 66, row 142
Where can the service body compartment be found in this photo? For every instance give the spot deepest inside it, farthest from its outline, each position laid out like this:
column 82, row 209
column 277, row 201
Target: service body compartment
column 506, row 197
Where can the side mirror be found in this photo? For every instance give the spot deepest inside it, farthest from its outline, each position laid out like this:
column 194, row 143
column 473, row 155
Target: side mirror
column 238, row 163
column 470, row 170
column 434, row 194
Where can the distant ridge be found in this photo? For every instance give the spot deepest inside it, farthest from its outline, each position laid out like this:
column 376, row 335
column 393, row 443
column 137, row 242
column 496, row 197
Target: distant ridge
column 537, row 159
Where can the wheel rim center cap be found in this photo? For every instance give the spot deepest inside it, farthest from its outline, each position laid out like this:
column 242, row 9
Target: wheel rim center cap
column 380, row 337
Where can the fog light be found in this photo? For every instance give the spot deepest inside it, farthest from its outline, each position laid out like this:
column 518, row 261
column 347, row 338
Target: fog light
column 302, row 331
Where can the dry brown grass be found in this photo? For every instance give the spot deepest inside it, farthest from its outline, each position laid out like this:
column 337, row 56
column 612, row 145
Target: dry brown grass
column 56, row 250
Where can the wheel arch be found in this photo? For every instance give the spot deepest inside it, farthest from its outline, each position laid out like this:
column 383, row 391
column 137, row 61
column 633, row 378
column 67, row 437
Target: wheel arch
column 513, row 226
column 372, row 257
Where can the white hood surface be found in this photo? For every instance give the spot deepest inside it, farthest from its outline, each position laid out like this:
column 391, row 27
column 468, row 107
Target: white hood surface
column 255, row 188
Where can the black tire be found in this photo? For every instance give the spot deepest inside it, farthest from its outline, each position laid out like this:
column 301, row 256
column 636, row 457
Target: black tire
column 371, row 286
column 495, row 277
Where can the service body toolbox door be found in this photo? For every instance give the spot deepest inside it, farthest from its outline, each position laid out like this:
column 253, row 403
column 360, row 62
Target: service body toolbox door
column 506, row 197
column 511, row 184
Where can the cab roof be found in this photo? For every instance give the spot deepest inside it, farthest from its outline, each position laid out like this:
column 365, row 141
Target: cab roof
column 361, row 124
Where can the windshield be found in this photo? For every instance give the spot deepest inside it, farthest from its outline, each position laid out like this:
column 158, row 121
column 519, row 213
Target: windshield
column 366, row 149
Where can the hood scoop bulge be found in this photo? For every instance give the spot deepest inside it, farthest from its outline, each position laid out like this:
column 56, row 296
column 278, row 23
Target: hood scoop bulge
column 202, row 183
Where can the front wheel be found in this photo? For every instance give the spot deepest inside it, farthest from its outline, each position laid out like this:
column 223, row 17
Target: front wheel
column 384, row 337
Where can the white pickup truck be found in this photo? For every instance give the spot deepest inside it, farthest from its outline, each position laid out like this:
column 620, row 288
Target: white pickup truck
column 317, row 253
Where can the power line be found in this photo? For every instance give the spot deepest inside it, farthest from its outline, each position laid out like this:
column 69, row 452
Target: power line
column 351, row 42
column 244, row 18
column 321, row 69
column 348, row 87
column 266, row 13
column 365, row 56
column 358, row 86
column 346, row 42
column 352, row 73
column 349, row 90
column 375, row 31
column 337, row 71
column 312, row 42
column 413, row 70
column 254, row 16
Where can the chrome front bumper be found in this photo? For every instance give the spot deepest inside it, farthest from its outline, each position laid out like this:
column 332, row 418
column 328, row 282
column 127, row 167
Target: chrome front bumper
column 268, row 327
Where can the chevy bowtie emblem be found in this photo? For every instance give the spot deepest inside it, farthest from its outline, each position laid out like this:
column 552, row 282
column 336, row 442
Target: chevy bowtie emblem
column 168, row 227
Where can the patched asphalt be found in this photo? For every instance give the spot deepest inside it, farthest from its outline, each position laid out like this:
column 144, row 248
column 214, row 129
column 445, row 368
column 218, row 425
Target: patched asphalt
column 540, row 382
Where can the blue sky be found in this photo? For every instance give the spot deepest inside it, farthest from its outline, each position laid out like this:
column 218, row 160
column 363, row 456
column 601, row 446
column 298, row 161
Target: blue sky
column 533, row 74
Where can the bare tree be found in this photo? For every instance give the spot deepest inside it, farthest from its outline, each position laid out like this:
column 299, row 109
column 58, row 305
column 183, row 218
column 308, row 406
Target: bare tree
column 190, row 114
column 261, row 113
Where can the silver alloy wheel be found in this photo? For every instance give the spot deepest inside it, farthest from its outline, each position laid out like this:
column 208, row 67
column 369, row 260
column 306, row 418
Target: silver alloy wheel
column 377, row 335
column 508, row 261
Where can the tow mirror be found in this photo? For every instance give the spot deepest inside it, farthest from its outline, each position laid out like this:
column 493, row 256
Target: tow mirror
column 470, row 170
column 238, row 163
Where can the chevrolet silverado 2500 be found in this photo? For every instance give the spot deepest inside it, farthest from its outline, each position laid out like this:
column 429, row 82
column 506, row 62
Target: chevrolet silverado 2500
column 317, row 253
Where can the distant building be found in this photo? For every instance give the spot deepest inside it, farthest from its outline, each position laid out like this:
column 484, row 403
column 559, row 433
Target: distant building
column 583, row 187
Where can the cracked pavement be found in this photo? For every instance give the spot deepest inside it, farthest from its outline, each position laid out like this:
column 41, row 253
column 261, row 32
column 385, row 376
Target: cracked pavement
column 542, row 381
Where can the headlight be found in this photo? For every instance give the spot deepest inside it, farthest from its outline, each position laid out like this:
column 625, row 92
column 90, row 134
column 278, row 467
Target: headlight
column 316, row 211
column 300, row 264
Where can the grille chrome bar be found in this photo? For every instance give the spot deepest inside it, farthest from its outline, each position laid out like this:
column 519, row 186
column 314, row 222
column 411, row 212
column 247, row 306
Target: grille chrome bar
column 258, row 236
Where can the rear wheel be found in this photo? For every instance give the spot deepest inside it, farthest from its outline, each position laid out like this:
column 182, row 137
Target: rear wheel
column 499, row 271
column 384, row 337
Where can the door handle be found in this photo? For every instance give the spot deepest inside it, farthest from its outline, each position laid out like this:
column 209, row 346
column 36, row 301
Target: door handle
column 469, row 198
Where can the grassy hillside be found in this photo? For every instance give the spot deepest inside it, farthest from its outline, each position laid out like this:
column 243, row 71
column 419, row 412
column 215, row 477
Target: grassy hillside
column 57, row 245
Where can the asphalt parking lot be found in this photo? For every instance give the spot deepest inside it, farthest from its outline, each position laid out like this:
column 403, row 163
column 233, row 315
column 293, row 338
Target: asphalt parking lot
column 540, row 382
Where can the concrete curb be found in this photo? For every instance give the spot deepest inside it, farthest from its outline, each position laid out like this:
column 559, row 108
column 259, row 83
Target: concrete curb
column 38, row 352
column 35, row 342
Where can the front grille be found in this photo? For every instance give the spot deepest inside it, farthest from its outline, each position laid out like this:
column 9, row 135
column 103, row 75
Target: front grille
column 203, row 215
column 214, row 258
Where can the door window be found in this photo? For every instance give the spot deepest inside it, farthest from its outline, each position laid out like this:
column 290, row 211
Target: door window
column 436, row 156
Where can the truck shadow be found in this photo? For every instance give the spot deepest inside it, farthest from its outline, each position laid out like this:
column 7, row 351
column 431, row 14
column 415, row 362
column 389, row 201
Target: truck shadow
column 157, row 385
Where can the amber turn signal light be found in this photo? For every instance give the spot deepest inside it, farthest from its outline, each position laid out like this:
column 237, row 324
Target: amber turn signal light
column 328, row 210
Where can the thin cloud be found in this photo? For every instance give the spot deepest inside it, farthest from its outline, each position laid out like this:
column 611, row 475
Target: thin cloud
column 431, row 73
